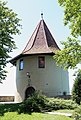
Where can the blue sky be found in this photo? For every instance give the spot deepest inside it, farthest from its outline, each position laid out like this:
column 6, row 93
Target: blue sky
column 29, row 12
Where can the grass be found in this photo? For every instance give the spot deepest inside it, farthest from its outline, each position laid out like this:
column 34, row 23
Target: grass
column 10, row 112
column 28, row 109
column 33, row 116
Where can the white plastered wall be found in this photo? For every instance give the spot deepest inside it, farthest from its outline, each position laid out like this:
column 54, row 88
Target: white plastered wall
column 51, row 80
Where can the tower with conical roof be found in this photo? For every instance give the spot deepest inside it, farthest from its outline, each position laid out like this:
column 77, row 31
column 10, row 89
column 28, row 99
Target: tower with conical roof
column 36, row 68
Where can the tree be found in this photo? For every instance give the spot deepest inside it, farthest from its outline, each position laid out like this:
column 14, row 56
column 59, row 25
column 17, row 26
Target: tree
column 70, row 56
column 72, row 15
column 9, row 26
column 76, row 91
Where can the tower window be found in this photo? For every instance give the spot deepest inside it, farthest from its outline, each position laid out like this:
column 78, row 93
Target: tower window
column 21, row 64
column 41, row 62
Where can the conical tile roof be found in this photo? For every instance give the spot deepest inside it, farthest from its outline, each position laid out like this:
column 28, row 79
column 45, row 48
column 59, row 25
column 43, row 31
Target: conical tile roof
column 41, row 41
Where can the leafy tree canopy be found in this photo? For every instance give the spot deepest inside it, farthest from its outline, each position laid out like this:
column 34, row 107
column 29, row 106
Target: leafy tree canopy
column 72, row 15
column 9, row 26
column 70, row 56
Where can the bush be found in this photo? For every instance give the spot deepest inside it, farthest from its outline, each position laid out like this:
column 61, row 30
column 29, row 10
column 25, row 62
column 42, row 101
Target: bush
column 35, row 103
column 57, row 104
column 77, row 113
column 76, row 91
column 40, row 103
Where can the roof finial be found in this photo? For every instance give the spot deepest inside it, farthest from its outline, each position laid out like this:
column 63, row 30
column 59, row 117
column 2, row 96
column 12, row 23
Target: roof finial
column 42, row 15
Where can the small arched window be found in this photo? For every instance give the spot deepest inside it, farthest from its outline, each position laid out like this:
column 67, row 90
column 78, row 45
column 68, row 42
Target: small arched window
column 41, row 62
column 21, row 64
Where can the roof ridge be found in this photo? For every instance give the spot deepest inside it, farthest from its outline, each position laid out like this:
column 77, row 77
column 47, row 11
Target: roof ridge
column 45, row 35
column 53, row 40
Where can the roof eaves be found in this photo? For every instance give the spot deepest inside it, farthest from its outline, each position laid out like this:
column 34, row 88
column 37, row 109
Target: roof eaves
column 13, row 60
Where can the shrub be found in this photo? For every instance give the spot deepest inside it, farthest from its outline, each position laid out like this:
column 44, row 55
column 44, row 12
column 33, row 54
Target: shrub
column 40, row 103
column 35, row 103
column 77, row 113
column 76, row 91
column 57, row 104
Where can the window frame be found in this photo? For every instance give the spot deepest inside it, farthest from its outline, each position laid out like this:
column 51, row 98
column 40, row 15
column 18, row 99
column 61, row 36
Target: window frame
column 21, row 64
column 41, row 63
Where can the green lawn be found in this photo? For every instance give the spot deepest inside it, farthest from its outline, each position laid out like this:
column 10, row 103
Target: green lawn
column 10, row 112
column 33, row 116
column 26, row 110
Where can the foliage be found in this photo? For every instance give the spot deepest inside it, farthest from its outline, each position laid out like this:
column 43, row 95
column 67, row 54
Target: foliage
column 71, row 111
column 76, row 92
column 77, row 113
column 38, row 103
column 9, row 108
column 72, row 15
column 59, row 104
column 9, row 26
column 70, row 56
column 35, row 103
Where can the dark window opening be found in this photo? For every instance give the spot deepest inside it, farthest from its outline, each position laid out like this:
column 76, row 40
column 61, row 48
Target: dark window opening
column 41, row 62
column 21, row 64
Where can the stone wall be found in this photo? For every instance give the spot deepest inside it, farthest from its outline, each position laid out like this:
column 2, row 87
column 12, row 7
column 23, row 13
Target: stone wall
column 6, row 98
